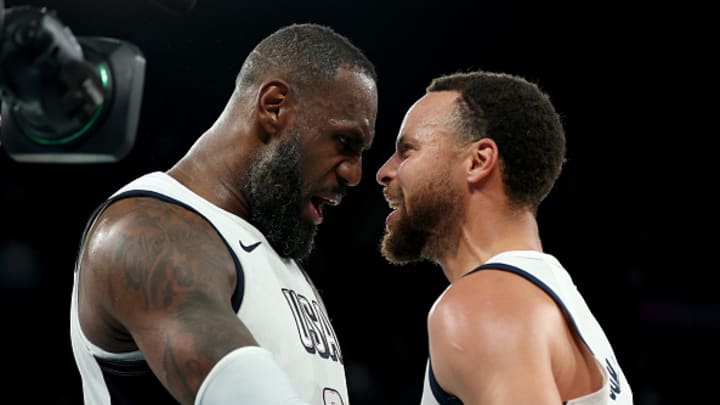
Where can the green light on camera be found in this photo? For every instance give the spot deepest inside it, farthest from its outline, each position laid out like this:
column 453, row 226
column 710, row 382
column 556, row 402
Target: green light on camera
column 104, row 77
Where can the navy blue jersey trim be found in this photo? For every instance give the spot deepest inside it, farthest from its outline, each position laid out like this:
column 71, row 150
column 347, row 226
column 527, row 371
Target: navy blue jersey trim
column 142, row 387
column 441, row 396
column 539, row 283
column 240, row 284
column 446, row 399
column 239, row 290
column 85, row 231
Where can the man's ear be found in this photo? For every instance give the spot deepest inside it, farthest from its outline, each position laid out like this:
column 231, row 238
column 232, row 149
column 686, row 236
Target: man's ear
column 484, row 157
column 274, row 106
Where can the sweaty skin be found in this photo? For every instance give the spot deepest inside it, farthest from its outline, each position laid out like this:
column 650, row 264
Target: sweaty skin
column 494, row 337
column 157, row 277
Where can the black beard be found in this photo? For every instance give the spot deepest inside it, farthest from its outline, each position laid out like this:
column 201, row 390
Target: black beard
column 274, row 194
column 428, row 232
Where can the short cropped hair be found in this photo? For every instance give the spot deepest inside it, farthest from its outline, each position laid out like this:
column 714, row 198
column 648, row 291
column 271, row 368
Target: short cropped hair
column 521, row 120
column 308, row 55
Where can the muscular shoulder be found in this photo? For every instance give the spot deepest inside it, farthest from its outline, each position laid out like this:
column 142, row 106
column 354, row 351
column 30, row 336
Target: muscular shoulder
column 495, row 305
column 490, row 320
column 139, row 229
column 144, row 251
column 147, row 214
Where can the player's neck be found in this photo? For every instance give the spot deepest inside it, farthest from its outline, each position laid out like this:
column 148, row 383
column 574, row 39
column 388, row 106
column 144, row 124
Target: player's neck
column 207, row 177
column 483, row 237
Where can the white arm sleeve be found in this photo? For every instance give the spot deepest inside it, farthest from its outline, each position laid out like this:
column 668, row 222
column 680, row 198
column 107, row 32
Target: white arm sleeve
column 247, row 375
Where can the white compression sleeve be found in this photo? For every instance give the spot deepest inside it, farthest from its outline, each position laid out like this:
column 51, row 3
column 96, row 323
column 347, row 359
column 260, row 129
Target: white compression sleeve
column 247, row 375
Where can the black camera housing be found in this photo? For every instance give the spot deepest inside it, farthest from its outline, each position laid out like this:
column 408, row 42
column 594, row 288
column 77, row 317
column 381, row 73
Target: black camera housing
column 66, row 100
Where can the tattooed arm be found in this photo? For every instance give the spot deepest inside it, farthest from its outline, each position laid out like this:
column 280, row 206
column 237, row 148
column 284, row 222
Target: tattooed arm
column 158, row 278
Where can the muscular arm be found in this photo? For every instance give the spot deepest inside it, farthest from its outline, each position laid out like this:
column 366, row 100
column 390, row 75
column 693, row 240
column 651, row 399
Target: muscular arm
column 495, row 339
column 157, row 277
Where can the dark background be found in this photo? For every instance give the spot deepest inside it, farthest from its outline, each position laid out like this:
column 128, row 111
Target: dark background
column 632, row 217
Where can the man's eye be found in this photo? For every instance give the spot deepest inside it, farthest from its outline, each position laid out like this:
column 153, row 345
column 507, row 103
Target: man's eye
column 403, row 151
column 348, row 144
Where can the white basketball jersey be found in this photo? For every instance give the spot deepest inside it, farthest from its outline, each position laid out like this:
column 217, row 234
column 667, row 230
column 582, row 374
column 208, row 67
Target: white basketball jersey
column 273, row 298
column 547, row 273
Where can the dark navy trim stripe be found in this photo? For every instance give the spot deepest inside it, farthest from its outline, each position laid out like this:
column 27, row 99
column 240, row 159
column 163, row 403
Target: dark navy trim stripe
column 132, row 382
column 239, row 291
column 536, row 281
column 441, row 396
column 85, row 231
column 142, row 387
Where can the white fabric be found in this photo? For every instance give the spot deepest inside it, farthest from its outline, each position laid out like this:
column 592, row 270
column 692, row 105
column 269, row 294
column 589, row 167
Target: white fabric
column 279, row 306
column 546, row 271
column 248, row 375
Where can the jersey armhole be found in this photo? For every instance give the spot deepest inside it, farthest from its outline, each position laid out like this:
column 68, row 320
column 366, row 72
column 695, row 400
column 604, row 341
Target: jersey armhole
column 238, row 291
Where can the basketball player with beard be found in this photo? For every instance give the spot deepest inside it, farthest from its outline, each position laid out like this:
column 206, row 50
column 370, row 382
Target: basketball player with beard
column 187, row 284
column 474, row 158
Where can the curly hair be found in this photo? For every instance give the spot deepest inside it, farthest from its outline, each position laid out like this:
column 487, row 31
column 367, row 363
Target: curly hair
column 522, row 121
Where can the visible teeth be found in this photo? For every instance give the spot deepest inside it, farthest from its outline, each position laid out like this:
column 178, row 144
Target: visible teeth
column 394, row 204
column 330, row 200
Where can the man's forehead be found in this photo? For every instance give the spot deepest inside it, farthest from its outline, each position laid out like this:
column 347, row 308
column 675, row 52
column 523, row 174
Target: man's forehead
column 428, row 117
column 434, row 109
column 434, row 105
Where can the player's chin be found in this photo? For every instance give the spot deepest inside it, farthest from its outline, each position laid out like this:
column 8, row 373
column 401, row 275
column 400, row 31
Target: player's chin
column 395, row 250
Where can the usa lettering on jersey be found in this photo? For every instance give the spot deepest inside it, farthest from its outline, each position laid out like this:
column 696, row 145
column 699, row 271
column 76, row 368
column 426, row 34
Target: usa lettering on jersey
column 313, row 325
